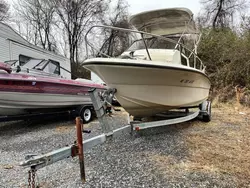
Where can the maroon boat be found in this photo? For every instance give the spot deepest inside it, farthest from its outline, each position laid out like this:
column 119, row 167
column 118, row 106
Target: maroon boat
column 23, row 92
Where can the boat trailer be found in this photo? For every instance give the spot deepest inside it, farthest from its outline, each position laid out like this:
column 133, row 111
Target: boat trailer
column 67, row 112
column 102, row 104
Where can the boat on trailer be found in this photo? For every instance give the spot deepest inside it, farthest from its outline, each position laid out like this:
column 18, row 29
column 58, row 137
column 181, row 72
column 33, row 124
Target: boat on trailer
column 145, row 80
column 25, row 90
column 160, row 71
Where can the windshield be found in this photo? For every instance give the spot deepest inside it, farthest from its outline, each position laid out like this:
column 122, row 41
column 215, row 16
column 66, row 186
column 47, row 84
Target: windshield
column 41, row 65
column 153, row 43
column 32, row 63
column 52, row 68
column 49, row 66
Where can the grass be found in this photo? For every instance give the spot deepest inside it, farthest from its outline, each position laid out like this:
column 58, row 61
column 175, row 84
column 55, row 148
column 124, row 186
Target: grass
column 224, row 148
column 220, row 147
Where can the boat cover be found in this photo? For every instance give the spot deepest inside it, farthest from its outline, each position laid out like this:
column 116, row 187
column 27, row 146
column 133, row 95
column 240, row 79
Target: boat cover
column 165, row 21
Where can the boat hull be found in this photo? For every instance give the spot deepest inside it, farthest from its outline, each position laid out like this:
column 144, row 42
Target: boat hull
column 146, row 89
column 17, row 103
column 24, row 93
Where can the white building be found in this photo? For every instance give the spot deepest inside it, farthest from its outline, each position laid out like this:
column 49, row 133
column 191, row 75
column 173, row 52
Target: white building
column 15, row 47
column 96, row 78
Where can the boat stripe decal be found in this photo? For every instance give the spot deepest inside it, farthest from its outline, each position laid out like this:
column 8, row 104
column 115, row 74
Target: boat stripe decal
column 44, row 102
column 46, row 80
column 27, row 87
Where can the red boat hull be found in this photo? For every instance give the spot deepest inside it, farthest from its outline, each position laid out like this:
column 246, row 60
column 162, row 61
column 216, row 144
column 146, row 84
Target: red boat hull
column 21, row 93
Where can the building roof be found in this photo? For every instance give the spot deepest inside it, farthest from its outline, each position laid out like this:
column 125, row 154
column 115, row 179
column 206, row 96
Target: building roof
column 10, row 34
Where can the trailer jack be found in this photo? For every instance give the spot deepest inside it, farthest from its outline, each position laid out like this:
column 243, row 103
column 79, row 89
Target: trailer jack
column 36, row 162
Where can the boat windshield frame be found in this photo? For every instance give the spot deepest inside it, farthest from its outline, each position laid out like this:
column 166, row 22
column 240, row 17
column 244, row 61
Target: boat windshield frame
column 197, row 63
column 44, row 63
column 11, row 62
column 152, row 42
column 32, row 66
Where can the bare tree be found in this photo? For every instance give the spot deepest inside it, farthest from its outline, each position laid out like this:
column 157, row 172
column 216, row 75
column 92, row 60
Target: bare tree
column 76, row 16
column 4, row 10
column 245, row 24
column 115, row 42
column 39, row 14
column 220, row 13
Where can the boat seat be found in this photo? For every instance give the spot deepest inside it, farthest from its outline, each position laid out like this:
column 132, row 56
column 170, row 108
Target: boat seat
column 166, row 55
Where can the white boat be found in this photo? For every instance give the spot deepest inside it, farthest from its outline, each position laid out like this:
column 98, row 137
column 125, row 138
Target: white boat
column 160, row 71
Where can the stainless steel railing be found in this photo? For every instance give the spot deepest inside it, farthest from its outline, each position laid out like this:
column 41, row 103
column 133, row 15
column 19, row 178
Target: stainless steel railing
column 192, row 60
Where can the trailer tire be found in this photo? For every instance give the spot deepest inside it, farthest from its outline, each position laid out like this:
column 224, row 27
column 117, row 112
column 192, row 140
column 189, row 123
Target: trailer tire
column 205, row 108
column 86, row 114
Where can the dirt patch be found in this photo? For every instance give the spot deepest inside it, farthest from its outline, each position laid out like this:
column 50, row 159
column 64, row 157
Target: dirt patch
column 71, row 126
column 224, row 148
column 62, row 129
column 220, row 147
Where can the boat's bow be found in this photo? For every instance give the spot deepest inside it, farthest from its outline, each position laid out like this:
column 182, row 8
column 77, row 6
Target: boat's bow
column 145, row 88
column 5, row 67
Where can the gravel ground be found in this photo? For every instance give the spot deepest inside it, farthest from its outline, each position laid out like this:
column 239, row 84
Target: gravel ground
column 128, row 161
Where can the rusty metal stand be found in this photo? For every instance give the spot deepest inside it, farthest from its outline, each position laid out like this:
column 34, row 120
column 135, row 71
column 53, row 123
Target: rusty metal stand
column 36, row 162
column 79, row 128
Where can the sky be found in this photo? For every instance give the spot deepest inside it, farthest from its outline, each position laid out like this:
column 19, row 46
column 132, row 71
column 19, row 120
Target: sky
column 137, row 6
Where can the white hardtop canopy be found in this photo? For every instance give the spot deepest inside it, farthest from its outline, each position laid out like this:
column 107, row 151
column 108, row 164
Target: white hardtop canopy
column 165, row 21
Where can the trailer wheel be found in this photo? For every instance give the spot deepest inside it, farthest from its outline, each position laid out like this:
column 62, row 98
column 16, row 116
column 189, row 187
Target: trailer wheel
column 86, row 114
column 205, row 108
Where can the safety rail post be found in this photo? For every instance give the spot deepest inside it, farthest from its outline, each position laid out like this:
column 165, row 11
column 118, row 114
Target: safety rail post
column 146, row 47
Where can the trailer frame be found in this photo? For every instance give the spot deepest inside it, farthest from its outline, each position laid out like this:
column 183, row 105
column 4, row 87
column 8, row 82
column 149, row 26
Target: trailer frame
column 71, row 111
column 100, row 104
